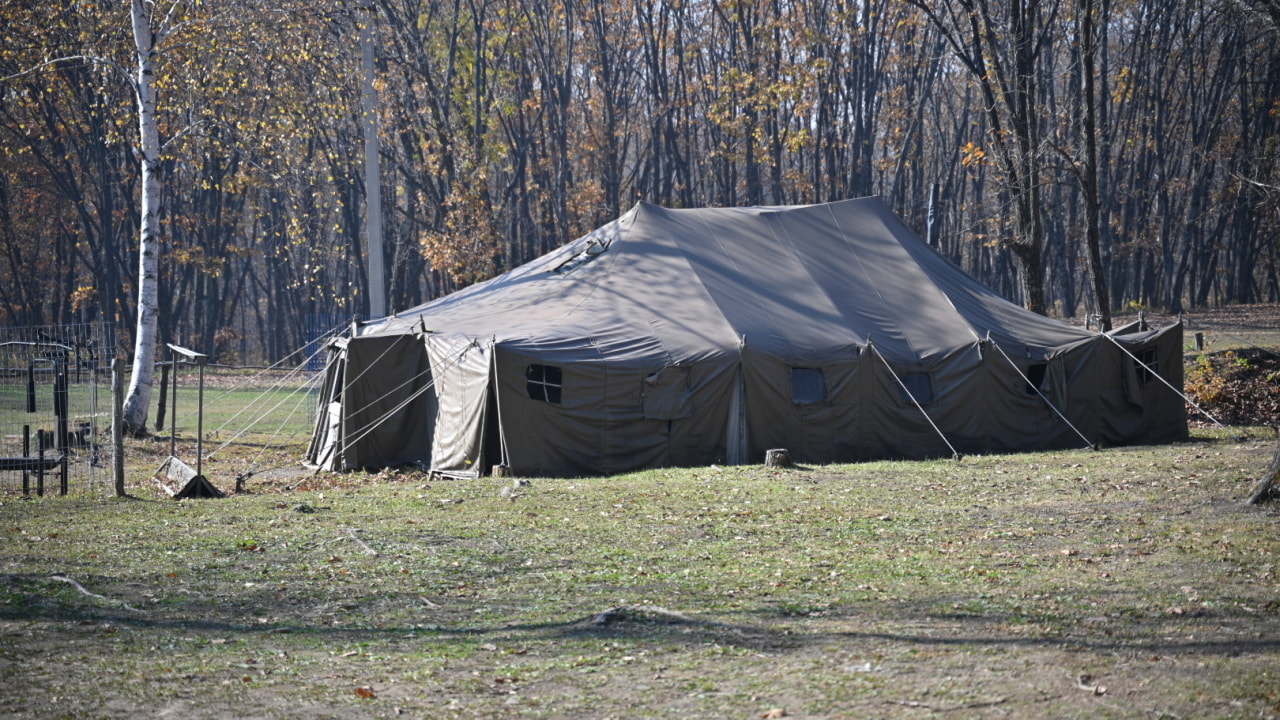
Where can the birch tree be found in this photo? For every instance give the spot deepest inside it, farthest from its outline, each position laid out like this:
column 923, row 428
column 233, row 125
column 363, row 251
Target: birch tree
column 151, row 28
column 150, row 31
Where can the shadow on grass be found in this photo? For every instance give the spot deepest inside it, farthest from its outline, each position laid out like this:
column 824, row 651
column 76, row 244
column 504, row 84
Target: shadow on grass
column 765, row 629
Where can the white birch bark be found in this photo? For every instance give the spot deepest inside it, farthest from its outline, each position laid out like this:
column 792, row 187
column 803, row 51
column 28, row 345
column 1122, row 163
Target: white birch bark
column 138, row 400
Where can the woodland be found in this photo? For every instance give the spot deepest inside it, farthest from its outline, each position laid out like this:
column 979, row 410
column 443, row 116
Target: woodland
column 1081, row 157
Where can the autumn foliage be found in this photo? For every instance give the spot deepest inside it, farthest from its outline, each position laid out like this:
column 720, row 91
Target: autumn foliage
column 510, row 126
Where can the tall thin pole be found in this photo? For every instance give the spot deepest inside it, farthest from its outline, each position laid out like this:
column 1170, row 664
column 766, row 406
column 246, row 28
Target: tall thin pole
column 372, row 173
column 117, row 424
column 200, row 422
column 173, row 406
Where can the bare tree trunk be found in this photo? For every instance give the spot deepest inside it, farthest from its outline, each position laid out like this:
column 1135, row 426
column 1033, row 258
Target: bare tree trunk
column 138, row 400
column 999, row 44
column 1089, row 174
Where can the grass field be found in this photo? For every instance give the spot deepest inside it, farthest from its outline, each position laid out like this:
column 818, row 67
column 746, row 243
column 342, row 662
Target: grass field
column 1123, row 583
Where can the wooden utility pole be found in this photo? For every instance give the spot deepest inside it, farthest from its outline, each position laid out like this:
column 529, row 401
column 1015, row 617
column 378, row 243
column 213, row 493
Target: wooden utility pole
column 372, row 171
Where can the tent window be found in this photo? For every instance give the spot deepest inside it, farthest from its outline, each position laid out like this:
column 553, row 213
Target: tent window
column 1148, row 365
column 1035, row 377
column 544, row 383
column 807, row 386
column 919, row 386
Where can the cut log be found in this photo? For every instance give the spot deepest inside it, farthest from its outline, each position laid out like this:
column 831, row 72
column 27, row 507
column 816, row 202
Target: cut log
column 1266, row 487
column 777, row 458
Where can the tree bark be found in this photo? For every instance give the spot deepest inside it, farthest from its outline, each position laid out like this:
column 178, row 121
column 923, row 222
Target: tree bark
column 1089, row 173
column 1266, row 487
column 138, row 401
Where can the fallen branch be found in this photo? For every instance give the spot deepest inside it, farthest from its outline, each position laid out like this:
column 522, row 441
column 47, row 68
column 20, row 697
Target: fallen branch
column 352, row 534
column 85, row 591
column 948, row 708
column 651, row 613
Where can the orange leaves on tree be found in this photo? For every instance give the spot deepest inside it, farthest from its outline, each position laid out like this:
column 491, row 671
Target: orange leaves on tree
column 972, row 155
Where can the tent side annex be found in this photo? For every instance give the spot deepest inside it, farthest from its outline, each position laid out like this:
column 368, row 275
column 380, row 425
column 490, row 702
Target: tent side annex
column 686, row 337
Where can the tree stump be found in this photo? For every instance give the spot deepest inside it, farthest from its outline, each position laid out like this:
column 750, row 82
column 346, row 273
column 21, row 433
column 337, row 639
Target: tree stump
column 777, row 458
column 1266, row 487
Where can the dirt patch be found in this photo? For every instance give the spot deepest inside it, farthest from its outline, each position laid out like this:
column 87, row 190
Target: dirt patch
column 1237, row 318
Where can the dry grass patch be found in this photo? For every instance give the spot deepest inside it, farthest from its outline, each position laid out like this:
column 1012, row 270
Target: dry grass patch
column 1123, row 583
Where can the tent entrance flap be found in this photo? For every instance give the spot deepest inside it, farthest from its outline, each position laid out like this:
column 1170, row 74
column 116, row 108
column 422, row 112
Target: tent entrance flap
column 322, row 452
column 461, row 368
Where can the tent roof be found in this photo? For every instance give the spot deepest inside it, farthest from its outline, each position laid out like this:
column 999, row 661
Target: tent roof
column 800, row 282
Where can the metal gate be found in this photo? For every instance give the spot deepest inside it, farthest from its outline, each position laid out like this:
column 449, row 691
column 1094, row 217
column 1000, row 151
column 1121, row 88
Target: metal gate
column 55, row 409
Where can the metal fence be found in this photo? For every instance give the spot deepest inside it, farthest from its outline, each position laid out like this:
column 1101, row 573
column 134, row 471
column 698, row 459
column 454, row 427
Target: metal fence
column 320, row 328
column 55, row 409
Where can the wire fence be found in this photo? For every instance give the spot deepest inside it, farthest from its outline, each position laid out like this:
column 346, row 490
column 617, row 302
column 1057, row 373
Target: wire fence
column 55, row 408
column 320, row 328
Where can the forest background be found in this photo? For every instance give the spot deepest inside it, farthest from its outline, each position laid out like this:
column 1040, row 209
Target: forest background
column 1149, row 129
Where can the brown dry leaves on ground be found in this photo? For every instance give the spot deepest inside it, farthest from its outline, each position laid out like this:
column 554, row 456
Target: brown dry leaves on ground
column 1237, row 376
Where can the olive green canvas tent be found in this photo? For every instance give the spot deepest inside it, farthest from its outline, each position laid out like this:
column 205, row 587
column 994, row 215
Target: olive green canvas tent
column 690, row 337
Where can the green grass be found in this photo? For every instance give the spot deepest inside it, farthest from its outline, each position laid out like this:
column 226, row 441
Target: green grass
column 254, row 406
column 887, row 589
column 248, row 408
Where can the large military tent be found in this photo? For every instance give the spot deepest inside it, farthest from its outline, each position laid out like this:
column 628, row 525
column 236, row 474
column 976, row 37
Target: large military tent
column 689, row 337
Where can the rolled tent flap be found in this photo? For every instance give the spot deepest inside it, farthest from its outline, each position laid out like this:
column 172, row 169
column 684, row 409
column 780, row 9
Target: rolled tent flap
column 323, row 450
column 666, row 394
column 461, row 368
